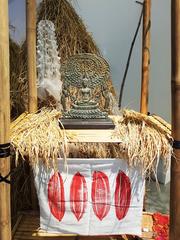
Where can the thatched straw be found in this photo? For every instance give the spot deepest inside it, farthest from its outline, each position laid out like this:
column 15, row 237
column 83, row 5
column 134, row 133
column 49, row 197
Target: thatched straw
column 72, row 38
column 143, row 140
column 18, row 83
column 39, row 136
column 152, row 120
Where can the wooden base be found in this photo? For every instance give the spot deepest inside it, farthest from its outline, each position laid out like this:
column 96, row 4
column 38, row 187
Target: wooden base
column 27, row 228
column 87, row 123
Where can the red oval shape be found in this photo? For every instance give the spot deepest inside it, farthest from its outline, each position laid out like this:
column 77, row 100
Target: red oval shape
column 78, row 195
column 122, row 195
column 100, row 194
column 56, row 196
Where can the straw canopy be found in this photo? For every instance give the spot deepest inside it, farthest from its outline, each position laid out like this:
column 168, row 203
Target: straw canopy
column 143, row 140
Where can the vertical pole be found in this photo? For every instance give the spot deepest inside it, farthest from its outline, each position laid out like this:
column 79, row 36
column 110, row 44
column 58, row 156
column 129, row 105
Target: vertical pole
column 31, row 72
column 5, row 215
column 175, row 87
column 145, row 56
column 31, row 53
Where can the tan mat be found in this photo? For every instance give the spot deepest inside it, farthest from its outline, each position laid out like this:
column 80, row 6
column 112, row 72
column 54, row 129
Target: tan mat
column 27, row 227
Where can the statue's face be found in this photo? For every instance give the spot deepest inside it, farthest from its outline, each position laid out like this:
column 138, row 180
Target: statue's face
column 85, row 82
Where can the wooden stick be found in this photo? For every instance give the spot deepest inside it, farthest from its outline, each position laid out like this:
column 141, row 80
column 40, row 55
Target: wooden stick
column 16, row 226
column 31, row 71
column 175, row 87
column 145, row 56
column 145, row 61
column 31, row 53
column 129, row 57
column 5, row 215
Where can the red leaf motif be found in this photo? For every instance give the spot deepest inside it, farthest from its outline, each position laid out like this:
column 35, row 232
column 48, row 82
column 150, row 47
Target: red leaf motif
column 56, row 196
column 78, row 195
column 122, row 195
column 100, row 194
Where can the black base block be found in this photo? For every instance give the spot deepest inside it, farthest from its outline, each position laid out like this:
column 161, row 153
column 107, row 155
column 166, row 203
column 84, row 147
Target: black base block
column 87, row 123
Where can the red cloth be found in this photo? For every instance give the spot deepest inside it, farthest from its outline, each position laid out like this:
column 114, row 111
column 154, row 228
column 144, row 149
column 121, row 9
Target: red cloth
column 161, row 226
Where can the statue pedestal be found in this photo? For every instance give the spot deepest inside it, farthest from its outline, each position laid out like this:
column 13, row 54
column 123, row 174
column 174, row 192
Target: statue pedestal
column 87, row 123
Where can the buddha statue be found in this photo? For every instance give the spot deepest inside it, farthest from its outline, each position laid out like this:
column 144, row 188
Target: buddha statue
column 86, row 73
column 86, row 101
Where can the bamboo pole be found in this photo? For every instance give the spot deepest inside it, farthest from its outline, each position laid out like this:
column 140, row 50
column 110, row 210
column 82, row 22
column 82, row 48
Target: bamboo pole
column 31, row 72
column 145, row 56
column 5, row 215
column 175, row 87
column 31, row 53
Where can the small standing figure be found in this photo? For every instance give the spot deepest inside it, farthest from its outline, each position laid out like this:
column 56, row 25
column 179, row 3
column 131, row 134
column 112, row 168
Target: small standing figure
column 65, row 94
column 105, row 94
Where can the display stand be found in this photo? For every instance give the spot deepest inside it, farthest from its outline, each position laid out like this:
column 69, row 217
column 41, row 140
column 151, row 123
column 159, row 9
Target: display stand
column 28, row 223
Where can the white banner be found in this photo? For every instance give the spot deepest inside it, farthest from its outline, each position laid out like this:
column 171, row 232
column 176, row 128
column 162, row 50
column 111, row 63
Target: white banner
column 95, row 197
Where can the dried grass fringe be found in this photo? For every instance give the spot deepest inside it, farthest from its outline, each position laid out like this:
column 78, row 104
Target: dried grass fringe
column 144, row 140
column 39, row 136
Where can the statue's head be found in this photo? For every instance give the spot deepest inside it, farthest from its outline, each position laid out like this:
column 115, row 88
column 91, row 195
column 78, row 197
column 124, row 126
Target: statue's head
column 85, row 81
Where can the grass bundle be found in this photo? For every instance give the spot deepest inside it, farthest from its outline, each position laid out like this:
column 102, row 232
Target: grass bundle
column 39, row 136
column 143, row 140
column 152, row 120
column 152, row 138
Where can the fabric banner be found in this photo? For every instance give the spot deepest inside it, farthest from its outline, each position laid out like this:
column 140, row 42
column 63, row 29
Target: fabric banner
column 91, row 197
